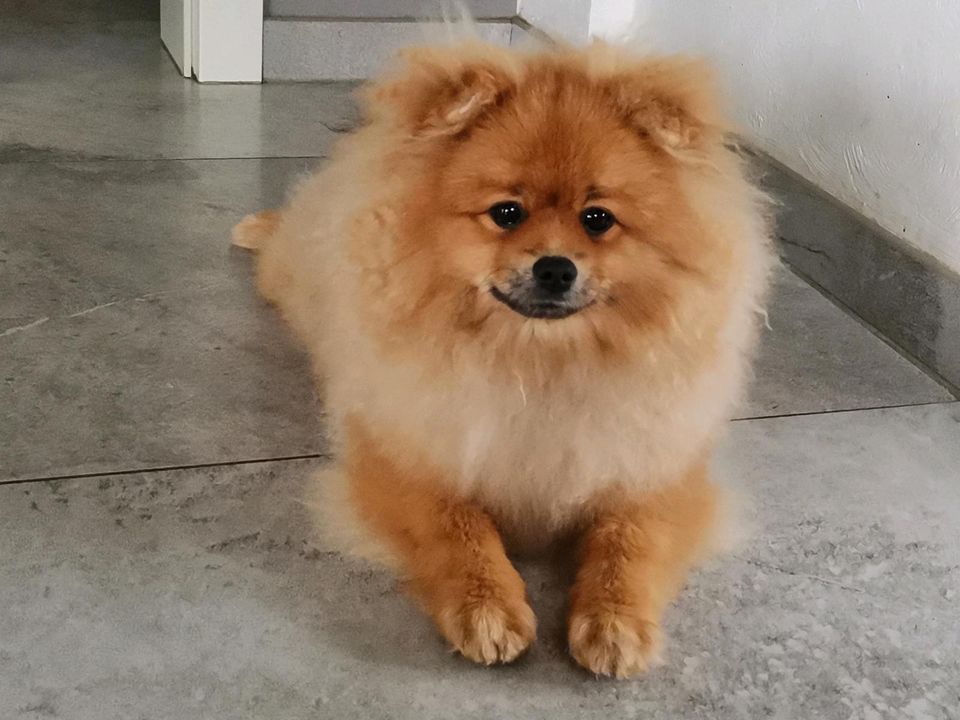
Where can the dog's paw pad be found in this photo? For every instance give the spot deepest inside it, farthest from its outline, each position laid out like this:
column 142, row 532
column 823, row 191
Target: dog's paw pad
column 614, row 644
column 490, row 632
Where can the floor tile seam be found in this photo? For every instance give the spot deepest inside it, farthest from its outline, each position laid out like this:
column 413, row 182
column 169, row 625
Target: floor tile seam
column 165, row 468
column 842, row 411
column 199, row 158
column 328, row 456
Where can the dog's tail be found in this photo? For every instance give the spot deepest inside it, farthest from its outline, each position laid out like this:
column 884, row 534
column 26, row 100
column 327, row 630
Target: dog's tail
column 254, row 231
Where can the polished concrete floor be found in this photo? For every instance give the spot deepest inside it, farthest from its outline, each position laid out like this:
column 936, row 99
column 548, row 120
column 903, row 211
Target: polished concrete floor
column 157, row 427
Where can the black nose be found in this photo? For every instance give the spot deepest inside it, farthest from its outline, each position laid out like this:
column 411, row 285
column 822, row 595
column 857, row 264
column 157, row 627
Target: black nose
column 554, row 274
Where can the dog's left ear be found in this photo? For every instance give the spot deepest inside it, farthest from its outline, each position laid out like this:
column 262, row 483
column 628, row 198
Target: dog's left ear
column 439, row 91
column 670, row 99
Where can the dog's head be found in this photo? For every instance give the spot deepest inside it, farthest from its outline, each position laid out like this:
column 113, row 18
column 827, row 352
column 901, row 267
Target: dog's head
column 540, row 198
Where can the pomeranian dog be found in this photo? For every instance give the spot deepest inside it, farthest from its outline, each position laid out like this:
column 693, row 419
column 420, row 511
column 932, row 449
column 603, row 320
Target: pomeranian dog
column 529, row 285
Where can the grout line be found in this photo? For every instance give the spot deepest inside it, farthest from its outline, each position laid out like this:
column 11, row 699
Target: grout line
column 95, row 159
column 851, row 313
column 840, row 411
column 167, row 468
column 327, row 456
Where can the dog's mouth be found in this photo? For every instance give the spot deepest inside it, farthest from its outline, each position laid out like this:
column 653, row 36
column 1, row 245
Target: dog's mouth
column 541, row 308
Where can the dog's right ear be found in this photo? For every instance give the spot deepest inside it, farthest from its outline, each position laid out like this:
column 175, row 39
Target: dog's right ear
column 441, row 90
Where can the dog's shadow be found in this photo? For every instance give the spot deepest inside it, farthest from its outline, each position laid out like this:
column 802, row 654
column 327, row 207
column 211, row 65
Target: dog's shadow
column 372, row 620
column 357, row 615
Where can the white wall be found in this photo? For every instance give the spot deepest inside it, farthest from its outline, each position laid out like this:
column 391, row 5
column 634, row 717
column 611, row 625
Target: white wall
column 227, row 40
column 569, row 19
column 575, row 20
column 862, row 97
column 612, row 19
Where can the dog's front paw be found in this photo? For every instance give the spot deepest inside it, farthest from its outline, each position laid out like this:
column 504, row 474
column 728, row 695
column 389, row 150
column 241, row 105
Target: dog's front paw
column 615, row 643
column 489, row 631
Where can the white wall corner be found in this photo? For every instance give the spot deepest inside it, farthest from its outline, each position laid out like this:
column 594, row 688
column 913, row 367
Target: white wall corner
column 175, row 19
column 614, row 19
column 579, row 20
column 228, row 40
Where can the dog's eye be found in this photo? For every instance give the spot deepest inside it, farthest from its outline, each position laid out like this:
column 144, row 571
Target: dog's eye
column 507, row 214
column 597, row 220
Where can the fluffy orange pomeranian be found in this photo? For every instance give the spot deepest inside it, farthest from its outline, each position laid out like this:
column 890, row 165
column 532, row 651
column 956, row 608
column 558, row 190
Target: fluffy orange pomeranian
column 529, row 284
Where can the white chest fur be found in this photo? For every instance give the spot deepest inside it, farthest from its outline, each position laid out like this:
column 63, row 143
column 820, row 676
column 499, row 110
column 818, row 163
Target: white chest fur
column 534, row 459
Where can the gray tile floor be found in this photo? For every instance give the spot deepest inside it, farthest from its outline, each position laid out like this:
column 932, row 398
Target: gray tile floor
column 157, row 427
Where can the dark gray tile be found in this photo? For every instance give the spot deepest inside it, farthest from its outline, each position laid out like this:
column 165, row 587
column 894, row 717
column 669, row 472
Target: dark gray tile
column 130, row 332
column 107, row 89
column 71, row 12
column 204, row 593
column 909, row 296
column 814, row 357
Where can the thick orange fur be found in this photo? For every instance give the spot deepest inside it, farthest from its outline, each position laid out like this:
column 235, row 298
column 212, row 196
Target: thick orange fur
column 463, row 426
column 634, row 557
column 450, row 551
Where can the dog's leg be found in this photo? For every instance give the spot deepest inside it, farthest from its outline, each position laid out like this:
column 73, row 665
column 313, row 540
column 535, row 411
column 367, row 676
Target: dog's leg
column 634, row 558
column 448, row 550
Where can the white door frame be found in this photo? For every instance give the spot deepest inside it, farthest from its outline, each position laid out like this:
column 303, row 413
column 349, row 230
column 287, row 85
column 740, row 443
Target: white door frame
column 175, row 19
column 214, row 40
column 222, row 40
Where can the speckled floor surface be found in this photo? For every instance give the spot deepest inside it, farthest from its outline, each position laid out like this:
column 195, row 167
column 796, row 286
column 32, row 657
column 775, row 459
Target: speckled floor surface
column 157, row 427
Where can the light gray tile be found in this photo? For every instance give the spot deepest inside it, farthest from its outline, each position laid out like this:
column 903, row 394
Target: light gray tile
column 846, row 596
column 130, row 332
column 311, row 49
column 92, row 90
column 386, row 8
column 204, row 593
column 814, row 357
